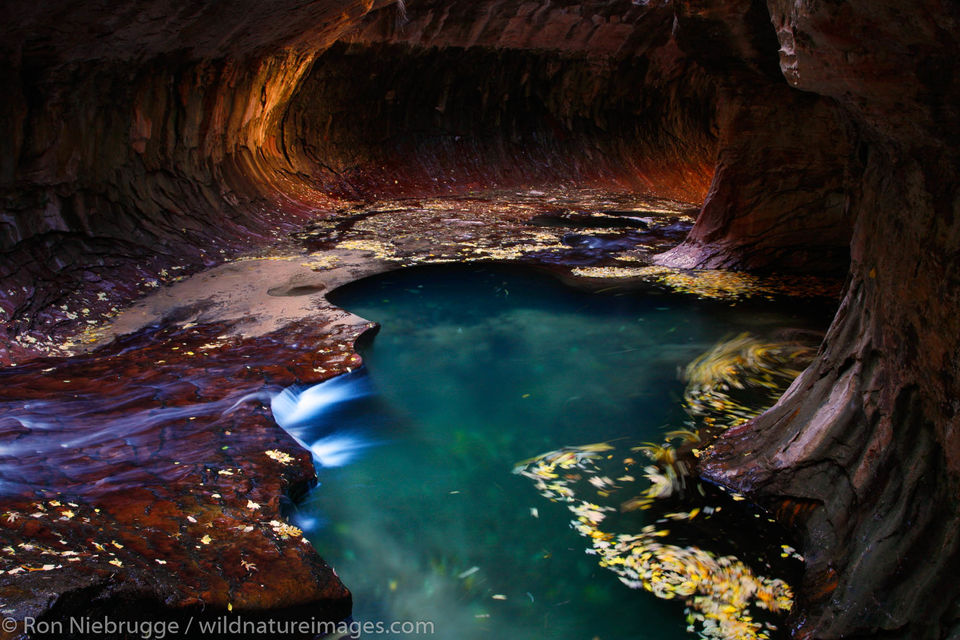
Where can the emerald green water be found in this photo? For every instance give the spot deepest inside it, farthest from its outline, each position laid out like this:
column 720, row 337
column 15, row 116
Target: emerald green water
column 475, row 369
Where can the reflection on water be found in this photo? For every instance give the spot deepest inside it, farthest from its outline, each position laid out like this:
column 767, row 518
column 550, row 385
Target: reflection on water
column 475, row 369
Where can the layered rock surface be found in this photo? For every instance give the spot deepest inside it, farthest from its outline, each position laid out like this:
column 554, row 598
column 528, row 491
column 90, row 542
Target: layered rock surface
column 138, row 482
column 867, row 433
column 188, row 134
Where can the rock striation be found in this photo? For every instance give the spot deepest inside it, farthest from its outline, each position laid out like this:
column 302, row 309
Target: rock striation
column 866, row 435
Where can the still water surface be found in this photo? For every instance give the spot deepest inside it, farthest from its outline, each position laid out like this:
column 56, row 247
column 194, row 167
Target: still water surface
column 474, row 369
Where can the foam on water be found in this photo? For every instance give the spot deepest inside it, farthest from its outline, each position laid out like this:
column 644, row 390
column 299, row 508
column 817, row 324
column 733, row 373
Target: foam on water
column 338, row 450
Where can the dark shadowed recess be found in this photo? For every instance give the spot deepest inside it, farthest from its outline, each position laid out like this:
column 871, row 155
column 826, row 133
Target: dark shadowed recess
column 385, row 118
column 177, row 141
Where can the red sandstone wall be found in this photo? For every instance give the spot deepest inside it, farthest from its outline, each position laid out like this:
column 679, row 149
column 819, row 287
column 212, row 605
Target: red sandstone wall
column 868, row 433
column 137, row 138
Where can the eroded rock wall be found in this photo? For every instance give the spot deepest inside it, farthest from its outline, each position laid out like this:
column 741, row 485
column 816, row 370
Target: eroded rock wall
column 154, row 132
column 157, row 136
column 780, row 197
column 511, row 92
column 480, row 118
column 868, row 434
column 139, row 139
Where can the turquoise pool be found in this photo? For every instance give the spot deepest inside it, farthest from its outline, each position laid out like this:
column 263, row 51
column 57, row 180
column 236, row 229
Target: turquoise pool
column 474, row 369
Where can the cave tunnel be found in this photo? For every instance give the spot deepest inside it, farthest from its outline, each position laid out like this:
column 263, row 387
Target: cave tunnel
column 190, row 179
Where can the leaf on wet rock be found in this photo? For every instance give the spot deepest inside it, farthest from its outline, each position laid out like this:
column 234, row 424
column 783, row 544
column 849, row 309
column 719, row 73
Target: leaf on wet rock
column 284, row 529
column 279, row 456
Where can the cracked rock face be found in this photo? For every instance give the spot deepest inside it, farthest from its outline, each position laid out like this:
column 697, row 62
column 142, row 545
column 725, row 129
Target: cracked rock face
column 147, row 142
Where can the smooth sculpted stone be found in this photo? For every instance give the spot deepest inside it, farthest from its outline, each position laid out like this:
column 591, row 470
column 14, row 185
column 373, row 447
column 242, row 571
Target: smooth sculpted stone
column 143, row 479
column 143, row 144
column 153, row 138
column 862, row 452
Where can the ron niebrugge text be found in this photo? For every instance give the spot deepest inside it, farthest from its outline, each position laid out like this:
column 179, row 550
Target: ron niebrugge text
column 224, row 625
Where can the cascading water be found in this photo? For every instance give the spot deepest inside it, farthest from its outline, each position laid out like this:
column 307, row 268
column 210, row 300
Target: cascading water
column 49, row 433
column 306, row 414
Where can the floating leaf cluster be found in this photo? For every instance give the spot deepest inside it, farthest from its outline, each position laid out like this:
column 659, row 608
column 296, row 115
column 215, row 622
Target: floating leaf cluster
column 733, row 285
column 725, row 599
column 719, row 591
column 618, row 272
column 722, row 384
column 717, row 284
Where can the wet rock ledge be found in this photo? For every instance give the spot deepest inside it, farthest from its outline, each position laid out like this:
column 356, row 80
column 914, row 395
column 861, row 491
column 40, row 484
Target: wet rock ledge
column 130, row 487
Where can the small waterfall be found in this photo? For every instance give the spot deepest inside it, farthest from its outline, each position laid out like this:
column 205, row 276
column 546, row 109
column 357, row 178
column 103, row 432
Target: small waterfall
column 306, row 414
